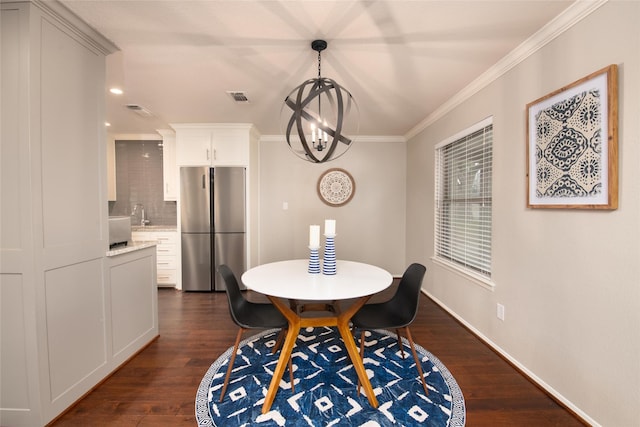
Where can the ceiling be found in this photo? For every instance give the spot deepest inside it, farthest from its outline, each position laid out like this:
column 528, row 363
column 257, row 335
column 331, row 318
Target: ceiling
column 401, row 60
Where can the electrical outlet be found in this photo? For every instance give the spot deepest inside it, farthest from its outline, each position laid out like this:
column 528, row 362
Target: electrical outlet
column 500, row 311
column 285, row 206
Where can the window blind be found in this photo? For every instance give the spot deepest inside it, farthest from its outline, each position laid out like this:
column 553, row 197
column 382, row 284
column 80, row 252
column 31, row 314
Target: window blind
column 463, row 200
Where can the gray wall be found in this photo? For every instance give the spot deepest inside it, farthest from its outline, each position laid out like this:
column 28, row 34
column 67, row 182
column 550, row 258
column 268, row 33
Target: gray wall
column 139, row 180
column 370, row 228
column 569, row 279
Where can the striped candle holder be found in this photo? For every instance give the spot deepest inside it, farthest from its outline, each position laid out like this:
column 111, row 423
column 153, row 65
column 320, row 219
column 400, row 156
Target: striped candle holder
column 329, row 259
column 314, row 261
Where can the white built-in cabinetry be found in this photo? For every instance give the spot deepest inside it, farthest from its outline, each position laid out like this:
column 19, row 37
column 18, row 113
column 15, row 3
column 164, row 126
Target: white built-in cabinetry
column 132, row 301
column 167, row 252
column 169, row 168
column 111, row 168
column 69, row 315
column 206, row 144
column 222, row 144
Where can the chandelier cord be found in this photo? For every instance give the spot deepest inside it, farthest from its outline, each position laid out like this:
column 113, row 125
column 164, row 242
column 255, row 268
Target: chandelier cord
column 319, row 67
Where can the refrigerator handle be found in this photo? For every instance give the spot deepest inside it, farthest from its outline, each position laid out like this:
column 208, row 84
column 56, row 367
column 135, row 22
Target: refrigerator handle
column 204, row 181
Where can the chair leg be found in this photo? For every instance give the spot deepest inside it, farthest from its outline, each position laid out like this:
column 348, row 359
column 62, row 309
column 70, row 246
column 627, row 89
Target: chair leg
column 293, row 389
column 233, row 358
column 230, row 367
column 415, row 357
column 361, row 355
column 279, row 340
column 400, row 343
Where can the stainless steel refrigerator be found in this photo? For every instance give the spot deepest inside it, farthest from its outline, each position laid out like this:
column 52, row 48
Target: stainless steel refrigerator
column 212, row 225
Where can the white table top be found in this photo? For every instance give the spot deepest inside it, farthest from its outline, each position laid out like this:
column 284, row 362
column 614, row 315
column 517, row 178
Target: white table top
column 290, row 279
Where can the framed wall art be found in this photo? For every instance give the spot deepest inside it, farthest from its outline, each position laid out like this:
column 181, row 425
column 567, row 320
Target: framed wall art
column 336, row 187
column 572, row 145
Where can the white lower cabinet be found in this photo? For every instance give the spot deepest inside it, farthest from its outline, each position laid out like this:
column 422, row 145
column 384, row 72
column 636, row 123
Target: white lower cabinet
column 167, row 254
column 133, row 299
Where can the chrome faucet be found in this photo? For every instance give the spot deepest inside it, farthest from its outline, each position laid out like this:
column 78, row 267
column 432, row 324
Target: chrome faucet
column 143, row 220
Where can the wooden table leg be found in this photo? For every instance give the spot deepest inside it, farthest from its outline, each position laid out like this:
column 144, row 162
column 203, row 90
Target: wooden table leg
column 295, row 323
column 356, row 358
column 285, row 352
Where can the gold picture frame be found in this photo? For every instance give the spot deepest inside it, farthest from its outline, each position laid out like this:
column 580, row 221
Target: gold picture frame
column 572, row 145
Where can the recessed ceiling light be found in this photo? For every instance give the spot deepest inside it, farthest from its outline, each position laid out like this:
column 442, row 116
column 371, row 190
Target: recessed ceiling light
column 107, row 124
column 116, row 91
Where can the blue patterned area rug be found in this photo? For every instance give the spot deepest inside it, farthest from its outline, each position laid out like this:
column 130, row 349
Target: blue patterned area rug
column 326, row 385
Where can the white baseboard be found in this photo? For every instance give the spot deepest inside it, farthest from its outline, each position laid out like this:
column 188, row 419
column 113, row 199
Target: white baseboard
column 559, row 397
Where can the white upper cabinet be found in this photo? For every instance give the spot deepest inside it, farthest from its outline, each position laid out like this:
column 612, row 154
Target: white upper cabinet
column 230, row 146
column 193, row 146
column 169, row 167
column 111, row 168
column 209, row 144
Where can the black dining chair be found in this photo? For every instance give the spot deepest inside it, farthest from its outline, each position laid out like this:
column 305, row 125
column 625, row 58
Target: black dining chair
column 397, row 313
column 249, row 315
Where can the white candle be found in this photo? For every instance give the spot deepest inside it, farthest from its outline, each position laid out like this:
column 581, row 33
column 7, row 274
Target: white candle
column 314, row 236
column 330, row 227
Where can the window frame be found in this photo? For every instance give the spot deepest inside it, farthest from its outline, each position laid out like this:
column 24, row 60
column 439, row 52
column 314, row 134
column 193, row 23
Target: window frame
column 484, row 279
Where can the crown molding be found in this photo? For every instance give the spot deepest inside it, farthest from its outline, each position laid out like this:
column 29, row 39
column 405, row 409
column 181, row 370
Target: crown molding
column 243, row 126
column 76, row 25
column 360, row 138
column 136, row 136
column 166, row 132
column 561, row 23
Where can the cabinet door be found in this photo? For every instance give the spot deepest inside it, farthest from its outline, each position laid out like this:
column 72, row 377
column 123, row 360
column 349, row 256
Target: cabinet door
column 230, row 147
column 169, row 168
column 166, row 253
column 111, row 168
column 193, row 147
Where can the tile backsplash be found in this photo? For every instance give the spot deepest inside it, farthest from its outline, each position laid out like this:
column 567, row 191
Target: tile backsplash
column 139, row 181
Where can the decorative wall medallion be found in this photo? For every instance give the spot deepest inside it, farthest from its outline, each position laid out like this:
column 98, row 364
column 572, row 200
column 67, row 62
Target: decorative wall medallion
column 336, row 187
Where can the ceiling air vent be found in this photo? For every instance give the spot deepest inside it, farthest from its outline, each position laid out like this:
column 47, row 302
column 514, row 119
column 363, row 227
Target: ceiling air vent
column 240, row 97
column 139, row 110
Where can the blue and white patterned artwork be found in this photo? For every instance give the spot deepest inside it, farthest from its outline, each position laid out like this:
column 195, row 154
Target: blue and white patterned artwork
column 326, row 385
column 569, row 147
column 572, row 144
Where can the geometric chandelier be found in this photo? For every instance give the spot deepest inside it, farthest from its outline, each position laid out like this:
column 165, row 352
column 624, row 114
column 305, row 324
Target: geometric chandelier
column 320, row 117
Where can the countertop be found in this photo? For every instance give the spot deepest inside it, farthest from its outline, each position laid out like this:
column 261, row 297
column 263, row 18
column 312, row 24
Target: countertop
column 132, row 246
column 154, row 228
column 136, row 245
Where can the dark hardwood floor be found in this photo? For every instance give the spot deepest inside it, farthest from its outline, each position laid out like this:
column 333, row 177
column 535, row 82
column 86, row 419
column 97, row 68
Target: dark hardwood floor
column 158, row 386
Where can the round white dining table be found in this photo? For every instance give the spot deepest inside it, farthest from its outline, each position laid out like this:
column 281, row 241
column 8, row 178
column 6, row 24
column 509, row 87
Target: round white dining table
column 292, row 281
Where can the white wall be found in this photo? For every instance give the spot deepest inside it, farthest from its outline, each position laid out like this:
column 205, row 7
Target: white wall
column 370, row 228
column 569, row 279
